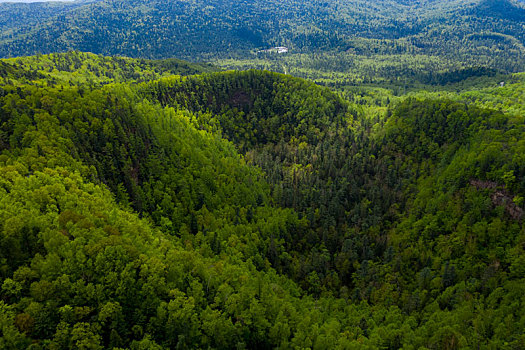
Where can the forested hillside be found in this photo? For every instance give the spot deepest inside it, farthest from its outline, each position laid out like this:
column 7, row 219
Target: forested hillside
column 441, row 35
column 145, row 210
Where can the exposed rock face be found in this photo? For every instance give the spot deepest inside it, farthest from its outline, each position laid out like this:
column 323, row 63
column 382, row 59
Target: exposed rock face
column 500, row 197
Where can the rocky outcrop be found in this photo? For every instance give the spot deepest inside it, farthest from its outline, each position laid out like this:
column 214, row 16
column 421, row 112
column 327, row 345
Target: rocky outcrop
column 500, row 197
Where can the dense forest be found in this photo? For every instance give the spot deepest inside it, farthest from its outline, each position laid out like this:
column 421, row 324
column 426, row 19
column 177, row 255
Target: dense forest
column 162, row 204
column 333, row 36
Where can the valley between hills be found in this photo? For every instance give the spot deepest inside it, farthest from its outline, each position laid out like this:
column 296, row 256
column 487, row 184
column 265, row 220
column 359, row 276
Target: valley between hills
column 372, row 197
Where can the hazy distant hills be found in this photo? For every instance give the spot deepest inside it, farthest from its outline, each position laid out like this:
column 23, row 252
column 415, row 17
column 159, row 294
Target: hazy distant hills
column 203, row 29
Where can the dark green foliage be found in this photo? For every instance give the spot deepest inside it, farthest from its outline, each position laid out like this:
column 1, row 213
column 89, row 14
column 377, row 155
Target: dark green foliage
column 303, row 138
column 456, row 76
column 451, row 30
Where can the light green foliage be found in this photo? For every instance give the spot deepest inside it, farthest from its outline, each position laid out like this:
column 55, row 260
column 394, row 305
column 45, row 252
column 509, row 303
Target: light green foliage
column 255, row 210
column 85, row 69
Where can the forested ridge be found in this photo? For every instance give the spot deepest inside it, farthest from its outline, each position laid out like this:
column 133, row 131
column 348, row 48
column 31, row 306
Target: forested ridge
column 405, row 36
column 145, row 210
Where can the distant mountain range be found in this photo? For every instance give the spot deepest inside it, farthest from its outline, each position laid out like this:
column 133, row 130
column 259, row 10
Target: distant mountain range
column 202, row 29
